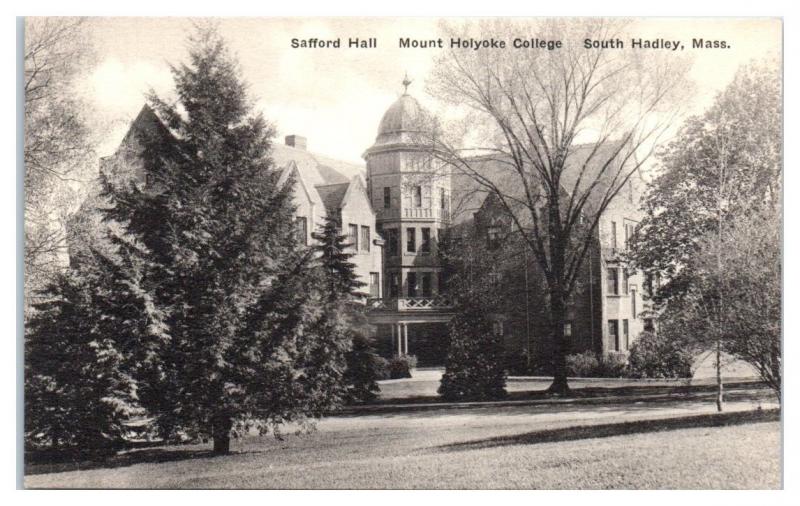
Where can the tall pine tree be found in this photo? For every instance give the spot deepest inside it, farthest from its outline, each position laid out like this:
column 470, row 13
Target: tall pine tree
column 343, row 325
column 225, row 266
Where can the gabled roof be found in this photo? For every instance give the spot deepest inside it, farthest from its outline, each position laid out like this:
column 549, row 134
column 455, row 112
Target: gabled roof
column 301, row 181
column 468, row 195
column 332, row 196
column 318, row 169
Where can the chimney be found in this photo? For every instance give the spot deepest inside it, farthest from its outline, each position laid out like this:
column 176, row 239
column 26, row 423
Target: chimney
column 296, row 141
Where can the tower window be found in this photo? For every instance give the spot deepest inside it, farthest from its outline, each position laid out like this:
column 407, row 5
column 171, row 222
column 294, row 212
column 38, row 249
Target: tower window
column 426, row 284
column 387, row 197
column 411, row 240
column 417, row 196
column 392, row 240
column 425, row 246
column 412, row 284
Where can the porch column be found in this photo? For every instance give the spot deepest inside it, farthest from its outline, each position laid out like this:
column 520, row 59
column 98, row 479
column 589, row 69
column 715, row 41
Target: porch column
column 392, row 327
column 405, row 337
column 399, row 339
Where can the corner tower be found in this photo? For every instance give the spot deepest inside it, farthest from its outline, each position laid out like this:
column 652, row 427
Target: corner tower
column 411, row 198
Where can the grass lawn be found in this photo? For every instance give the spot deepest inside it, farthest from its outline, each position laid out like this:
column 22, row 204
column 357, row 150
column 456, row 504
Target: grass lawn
column 625, row 444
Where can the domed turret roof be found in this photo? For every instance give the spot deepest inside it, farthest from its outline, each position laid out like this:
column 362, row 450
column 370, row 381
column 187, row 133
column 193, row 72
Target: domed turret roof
column 402, row 125
column 404, row 115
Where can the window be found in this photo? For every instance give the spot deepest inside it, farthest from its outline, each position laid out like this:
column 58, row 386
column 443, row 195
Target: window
column 426, row 284
column 442, row 279
column 417, row 196
column 352, row 236
column 425, row 246
column 613, row 281
column 442, row 198
column 411, row 240
column 625, row 277
column 387, row 197
column 649, row 325
column 633, row 303
column 629, row 231
column 374, row 284
column 625, row 334
column 493, row 237
column 614, row 235
column 394, row 285
column 392, row 241
column 613, row 333
column 568, row 329
column 411, row 279
column 365, row 238
column 302, row 229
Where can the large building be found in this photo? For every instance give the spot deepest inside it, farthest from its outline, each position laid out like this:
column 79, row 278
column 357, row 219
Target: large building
column 396, row 209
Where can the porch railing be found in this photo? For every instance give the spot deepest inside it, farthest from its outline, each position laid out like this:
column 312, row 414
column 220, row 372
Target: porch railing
column 437, row 303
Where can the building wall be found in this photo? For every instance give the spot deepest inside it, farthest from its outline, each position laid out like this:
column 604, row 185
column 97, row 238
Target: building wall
column 307, row 207
column 356, row 210
column 622, row 212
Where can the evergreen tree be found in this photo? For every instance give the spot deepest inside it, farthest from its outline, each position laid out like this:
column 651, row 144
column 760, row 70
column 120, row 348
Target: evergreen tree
column 339, row 272
column 78, row 354
column 344, row 319
column 474, row 369
column 223, row 264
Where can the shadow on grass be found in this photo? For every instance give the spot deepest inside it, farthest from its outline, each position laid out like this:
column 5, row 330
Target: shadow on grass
column 66, row 462
column 616, row 429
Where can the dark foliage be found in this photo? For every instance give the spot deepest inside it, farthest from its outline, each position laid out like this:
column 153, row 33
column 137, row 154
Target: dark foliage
column 364, row 369
column 248, row 339
column 401, row 366
column 474, row 368
column 78, row 392
column 656, row 356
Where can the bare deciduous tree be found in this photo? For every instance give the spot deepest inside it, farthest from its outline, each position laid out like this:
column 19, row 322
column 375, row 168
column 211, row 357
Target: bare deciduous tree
column 527, row 111
column 58, row 147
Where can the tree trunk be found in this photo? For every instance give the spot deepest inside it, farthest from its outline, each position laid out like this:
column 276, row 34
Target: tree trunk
column 560, row 347
column 221, row 433
column 719, row 375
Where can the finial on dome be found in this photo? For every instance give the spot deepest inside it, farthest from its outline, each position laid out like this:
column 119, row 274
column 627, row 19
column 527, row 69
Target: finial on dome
column 406, row 82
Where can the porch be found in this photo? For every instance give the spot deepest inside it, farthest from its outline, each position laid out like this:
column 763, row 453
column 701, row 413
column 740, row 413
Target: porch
column 412, row 326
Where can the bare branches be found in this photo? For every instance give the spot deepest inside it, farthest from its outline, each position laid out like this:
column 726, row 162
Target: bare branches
column 58, row 151
column 540, row 105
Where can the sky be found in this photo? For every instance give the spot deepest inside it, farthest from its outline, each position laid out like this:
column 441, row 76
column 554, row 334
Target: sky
column 335, row 98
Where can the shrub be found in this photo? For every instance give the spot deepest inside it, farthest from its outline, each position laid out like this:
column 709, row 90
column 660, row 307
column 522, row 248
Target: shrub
column 364, row 369
column 655, row 356
column 614, row 364
column 516, row 363
column 400, row 366
column 583, row 364
column 474, row 370
column 381, row 368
